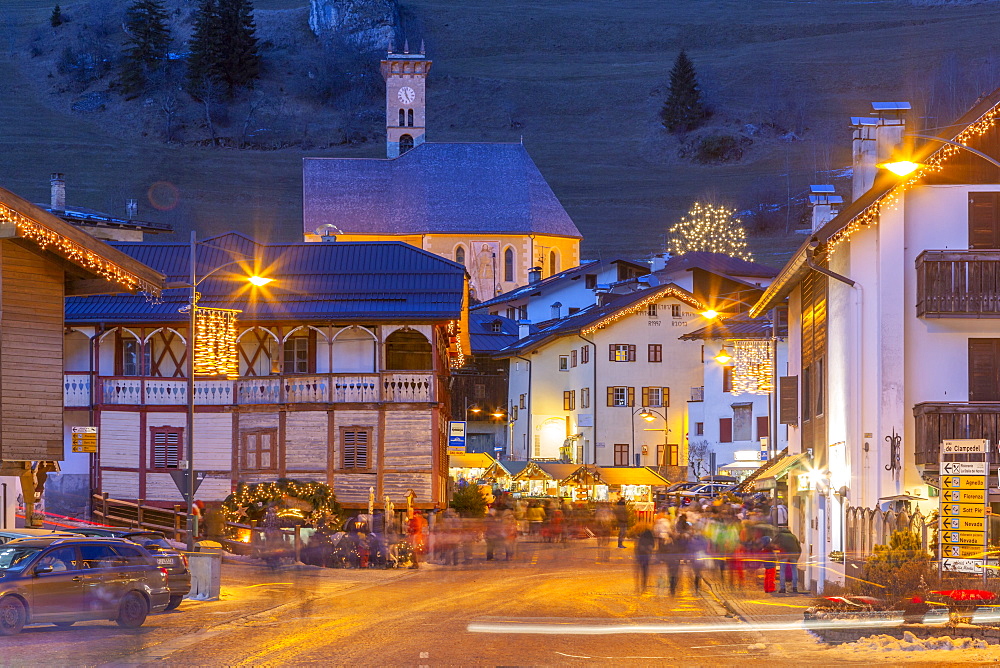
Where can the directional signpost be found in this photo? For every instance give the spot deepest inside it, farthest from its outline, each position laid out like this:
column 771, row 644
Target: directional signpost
column 84, row 439
column 964, row 508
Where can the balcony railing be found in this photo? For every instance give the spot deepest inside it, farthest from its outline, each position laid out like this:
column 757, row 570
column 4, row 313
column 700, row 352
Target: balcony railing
column 697, row 393
column 958, row 284
column 405, row 386
column 938, row 421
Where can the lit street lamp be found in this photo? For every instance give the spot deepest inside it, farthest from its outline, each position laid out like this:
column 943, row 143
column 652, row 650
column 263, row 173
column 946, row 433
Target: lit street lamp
column 907, row 167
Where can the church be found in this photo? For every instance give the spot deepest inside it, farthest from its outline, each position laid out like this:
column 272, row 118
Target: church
column 483, row 205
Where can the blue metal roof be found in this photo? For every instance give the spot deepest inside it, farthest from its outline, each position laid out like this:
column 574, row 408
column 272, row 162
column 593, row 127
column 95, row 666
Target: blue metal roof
column 483, row 335
column 342, row 282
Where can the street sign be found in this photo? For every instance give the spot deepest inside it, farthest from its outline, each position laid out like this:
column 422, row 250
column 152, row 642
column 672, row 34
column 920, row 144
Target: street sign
column 180, row 477
column 84, row 439
column 964, row 468
column 962, row 551
column 964, row 446
column 963, row 538
column 962, row 565
column 963, row 510
column 456, row 438
column 964, row 523
column 963, row 482
column 964, row 495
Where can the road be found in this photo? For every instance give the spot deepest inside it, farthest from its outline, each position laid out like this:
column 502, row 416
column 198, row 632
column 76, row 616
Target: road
column 567, row 607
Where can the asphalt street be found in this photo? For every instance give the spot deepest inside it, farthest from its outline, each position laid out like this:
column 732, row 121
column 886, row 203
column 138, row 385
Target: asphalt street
column 552, row 605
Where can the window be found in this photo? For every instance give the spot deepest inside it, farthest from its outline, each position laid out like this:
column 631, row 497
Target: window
column 479, row 391
column 511, row 313
column 407, row 350
column 584, row 354
column 763, row 427
column 984, row 369
column 405, row 144
column 402, row 118
column 355, row 448
column 621, row 352
column 743, row 422
column 621, row 396
column 653, row 396
column 258, row 450
column 553, row 263
column 572, row 358
column 134, row 358
column 522, row 312
column 655, row 353
column 984, row 220
column 99, row 556
column 621, row 454
column 524, row 401
column 820, row 381
column 727, row 379
column 513, row 413
column 564, row 362
column 725, row 430
column 496, row 326
column 573, row 309
column 651, row 311
column 409, row 117
column 673, row 455
column 569, row 400
column 297, row 354
column 460, row 255
column 61, row 559
column 590, row 281
column 508, row 265
column 165, row 447
column 675, row 310
column 807, row 393
column 585, row 398
column 699, row 428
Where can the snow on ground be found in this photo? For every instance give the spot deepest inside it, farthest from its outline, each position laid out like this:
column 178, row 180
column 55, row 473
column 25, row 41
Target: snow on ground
column 883, row 648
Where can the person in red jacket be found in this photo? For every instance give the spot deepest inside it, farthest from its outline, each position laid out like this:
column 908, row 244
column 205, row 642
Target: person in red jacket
column 415, row 530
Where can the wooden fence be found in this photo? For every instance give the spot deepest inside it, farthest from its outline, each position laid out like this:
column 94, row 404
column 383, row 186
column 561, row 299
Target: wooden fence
column 136, row 515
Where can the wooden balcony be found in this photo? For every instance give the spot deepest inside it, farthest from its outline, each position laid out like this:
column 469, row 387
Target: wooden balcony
column 958, row 284
column 388, row 386
column 938, row 421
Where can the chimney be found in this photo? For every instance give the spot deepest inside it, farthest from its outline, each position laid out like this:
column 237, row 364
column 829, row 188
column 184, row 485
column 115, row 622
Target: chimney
column 534, row 275
column 875, row 139
column 523, row 328
column 131, row 208
column 557, row 310
column 58, row 191
column 659, row 261
column 825, row 205
column 599, row 292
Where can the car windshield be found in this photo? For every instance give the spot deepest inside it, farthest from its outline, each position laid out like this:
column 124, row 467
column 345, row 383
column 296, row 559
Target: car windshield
column 15, row 558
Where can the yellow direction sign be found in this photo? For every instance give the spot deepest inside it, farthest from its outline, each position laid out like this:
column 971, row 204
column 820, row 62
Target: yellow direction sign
column 963, row 482
column 962, row 551
column 962, row 510
column 964, row 495
column 963, row 523
column 964, row 538
column 84, row 439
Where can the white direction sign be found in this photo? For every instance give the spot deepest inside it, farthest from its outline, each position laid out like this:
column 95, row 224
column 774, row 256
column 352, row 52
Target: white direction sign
column 964, row 468
column 965, row 446
column 962, row 565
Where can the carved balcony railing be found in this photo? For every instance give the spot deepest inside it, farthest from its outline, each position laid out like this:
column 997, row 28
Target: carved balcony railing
column 76, row 389
column 938, row 421
column 958, row 284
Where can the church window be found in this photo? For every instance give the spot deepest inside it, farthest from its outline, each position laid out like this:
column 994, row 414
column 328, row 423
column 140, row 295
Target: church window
column 460, row 255
column 402, row 118
column 553, row 263
column 508, row 265
column 409, row 117
column 405, row 144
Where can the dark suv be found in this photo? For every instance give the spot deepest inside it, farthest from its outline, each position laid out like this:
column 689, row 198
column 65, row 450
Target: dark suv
column 66, row 580
column 178, row 575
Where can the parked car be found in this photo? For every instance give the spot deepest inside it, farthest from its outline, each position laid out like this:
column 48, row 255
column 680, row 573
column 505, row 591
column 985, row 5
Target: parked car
column 7, row 535
column 682, row 487
column 65, row 580
column 175, row 561
column 712, row 489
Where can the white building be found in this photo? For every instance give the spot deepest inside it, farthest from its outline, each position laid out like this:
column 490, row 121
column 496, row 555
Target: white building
column 893, row 339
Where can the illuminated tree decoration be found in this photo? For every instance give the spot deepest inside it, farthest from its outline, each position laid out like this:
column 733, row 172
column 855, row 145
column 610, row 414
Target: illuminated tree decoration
column 753, row 366
column 250, row 501
column 710, row 228
column 215, row 342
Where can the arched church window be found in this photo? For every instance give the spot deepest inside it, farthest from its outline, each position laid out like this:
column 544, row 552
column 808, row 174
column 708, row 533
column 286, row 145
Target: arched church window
column 402, row 118
column 508, row 265
column 553, row 263
column 405, row 144
column 407, row 350
column 460, row 255
column 409, row 117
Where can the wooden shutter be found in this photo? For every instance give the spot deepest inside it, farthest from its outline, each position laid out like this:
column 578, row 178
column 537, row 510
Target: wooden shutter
column 611, row 352
column 763, row 427
column 631, row 352
column 166, row 448
column 725, row 430
column 645, row 396
column 355, row 442
column 984, row 220
column 788, row 398
column 631, row 396
column 665, row 397
column 984, row 375
column 611, row 396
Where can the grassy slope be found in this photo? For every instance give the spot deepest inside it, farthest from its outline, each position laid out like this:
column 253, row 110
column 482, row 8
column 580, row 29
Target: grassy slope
column 584, row 77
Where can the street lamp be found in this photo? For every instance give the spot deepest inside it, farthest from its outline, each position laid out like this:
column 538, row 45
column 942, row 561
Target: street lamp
column 192, row 308
column 723, row 357
column 648, row 414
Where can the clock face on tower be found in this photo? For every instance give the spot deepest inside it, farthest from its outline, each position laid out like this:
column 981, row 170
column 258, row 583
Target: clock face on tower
column 406, row 95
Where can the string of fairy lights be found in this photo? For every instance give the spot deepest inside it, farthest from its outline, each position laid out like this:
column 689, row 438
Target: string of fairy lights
column 457, row 354
column 711, row 228
column 643, row 305
column 753, row 366
column 45, row 237
column 250, row 501
column 215, row 342
column 931, row 165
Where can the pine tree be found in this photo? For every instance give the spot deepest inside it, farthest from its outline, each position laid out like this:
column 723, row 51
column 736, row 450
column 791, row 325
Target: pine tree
column 56, row 19
column 684, row 109
column 224, row 45
column 711, row 228
column 147, row 44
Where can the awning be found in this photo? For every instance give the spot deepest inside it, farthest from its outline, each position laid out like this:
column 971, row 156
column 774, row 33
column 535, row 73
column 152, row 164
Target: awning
column 768, row 479
column 470, row 460
column 630, row 475
column 741, row 466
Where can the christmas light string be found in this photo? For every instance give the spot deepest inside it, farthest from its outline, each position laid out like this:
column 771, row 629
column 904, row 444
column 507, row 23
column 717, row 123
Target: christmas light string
column 753, row 366
column 457, row 355
column 215, row 342
column 709, row 228
column 643, row 305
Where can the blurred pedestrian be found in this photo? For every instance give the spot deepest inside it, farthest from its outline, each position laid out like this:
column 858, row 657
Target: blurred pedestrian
column 415, row 530
column 789, row 550
column 645, row 544
column 621, row 517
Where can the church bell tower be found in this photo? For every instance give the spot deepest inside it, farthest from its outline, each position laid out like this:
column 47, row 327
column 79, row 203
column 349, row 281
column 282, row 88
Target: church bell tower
column 405, row 78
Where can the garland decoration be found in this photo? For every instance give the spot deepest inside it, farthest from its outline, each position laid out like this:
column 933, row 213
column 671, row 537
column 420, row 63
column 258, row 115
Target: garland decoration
column 250, row 501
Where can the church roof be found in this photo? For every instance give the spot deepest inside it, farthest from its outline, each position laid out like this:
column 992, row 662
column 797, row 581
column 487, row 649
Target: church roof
column 439, row 188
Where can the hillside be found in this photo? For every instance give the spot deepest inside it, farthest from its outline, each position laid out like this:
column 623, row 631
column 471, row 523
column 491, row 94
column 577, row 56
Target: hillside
column 581, row 83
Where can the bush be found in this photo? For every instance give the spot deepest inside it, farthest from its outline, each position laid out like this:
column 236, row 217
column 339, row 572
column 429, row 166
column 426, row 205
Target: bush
column 898, row 569
column 468, row 501
column 718, row 149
